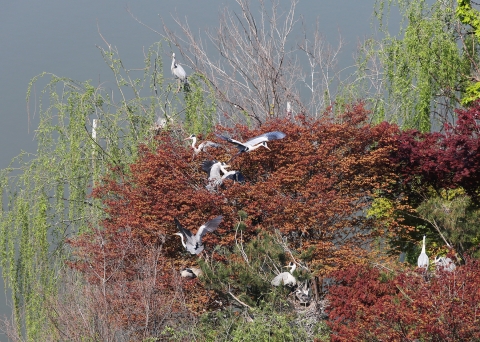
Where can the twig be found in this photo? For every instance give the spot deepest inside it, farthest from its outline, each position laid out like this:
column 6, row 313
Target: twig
column 238, row 300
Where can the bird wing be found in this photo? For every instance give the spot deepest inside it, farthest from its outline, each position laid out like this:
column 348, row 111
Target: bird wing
column 238, row 144
column 210, row 226
column 207, row 165
column 275, row 135
column 206, row 144
column 237, row 177
column 179, row 72
column 183, row 230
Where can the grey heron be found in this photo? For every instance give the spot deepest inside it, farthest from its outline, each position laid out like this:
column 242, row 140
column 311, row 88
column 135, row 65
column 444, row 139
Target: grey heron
column 445, row 264
column 254, row 143
column 178, row 71
column 423, row 257
column 203, row 146
column 191, row 272
column 193, row 243
column 286, row 278
column 303, row 293
column 214, row 169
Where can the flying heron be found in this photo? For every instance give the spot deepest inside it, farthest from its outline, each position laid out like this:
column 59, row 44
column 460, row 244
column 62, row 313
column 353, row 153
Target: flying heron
column 286, row 278
column 253, row 143
column 423, row 257
column 193, row 243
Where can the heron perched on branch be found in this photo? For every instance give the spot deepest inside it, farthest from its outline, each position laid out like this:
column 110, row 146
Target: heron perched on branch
column 286, row 278
column 202, row 147
column 423, row 257
column 193, row 243
column 178, row 71
column 253, row 143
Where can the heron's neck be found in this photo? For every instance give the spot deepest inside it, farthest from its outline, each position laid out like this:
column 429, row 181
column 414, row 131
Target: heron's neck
column 254, row 147
column 183, row 242
column 293, row 268
column 194, row 141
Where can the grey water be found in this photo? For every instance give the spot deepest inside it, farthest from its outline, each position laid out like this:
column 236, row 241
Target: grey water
column 60, row 37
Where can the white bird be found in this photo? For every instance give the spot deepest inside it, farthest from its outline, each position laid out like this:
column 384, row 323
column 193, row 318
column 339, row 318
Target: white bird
column 445, row 264
column 423, row 258
column 191, row 272
column 286, row 278
column 193, row 243
column 254, row 143
column 178, row 71
column 203, row 146
column 289, row 109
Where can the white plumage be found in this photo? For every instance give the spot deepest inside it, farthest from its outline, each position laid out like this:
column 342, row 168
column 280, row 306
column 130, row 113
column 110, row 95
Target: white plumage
column 423, row 257
column 178, row 71
column 445, row 264
column 286, row 278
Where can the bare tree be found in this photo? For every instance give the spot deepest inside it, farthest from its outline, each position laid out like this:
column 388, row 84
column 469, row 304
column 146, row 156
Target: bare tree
column 255, row 67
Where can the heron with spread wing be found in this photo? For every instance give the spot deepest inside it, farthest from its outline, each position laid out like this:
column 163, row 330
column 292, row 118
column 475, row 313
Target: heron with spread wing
column 193, row 243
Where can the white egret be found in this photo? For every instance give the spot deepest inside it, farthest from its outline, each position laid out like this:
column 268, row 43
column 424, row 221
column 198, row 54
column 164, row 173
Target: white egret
column 423, row 257
column 193, row 243
column 286, row 278
column 191, row 272
column 203, row 146
column 254, row 143
column 445, row 264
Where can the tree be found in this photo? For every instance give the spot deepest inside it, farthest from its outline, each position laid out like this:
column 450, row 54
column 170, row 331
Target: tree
column 307, row 193
column 426, row 68
column 375, row 304
column 82, row 133
column 254, row 68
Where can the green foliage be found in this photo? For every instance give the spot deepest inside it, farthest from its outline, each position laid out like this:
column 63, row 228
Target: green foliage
column 199, row 107
column 425, row 66
column 47, row 194
column 456, row 217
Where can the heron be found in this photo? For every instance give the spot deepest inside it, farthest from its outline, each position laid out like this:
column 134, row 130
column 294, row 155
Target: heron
column 191, row 272
column 253, row 143
column 445, row 264
column 193, row 243
column 214, row 169
column 303, row 293
column 203, row 146
column 423, row 257
column 236, row 176
column 178, row 71
column 286, row 278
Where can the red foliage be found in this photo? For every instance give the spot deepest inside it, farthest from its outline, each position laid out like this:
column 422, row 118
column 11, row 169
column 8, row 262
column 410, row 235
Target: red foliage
column 311, row 187
column 367, row 304
column 447, row 160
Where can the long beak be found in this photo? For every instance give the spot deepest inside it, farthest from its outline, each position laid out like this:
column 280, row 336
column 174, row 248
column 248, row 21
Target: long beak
column 187, row 138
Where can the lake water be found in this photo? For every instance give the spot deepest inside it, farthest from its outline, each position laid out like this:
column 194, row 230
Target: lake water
column 60, row 37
